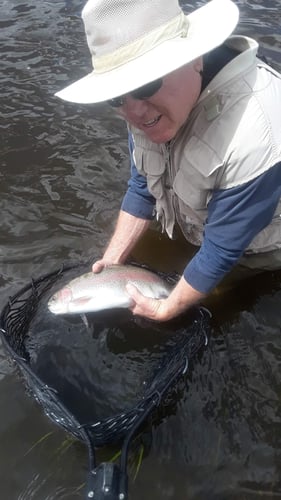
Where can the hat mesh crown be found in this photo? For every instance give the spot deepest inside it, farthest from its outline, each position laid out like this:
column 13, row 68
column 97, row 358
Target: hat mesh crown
column 113, row 24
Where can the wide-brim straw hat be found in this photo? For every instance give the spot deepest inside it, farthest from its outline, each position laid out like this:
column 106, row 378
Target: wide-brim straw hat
column 134, row 42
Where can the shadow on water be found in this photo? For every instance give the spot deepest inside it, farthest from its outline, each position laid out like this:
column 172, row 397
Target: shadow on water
column 63, row 173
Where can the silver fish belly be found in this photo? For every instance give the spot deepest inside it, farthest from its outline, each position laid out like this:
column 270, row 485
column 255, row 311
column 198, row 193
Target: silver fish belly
column 94, row 292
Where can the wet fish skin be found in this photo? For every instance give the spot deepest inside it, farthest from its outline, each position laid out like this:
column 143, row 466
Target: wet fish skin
column 92, row 292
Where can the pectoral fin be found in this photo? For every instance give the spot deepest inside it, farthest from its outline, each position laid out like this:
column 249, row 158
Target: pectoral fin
column 82, row 300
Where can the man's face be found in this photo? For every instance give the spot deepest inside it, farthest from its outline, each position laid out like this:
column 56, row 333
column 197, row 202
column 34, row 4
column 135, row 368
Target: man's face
column 162, row 115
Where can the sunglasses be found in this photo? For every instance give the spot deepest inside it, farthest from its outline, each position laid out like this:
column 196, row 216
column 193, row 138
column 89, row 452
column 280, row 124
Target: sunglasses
column 142, row 93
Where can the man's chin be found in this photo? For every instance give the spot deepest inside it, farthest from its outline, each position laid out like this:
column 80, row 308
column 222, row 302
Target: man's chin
column 159, row 137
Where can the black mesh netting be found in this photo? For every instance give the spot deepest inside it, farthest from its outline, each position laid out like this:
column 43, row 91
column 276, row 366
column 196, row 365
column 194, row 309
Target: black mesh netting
column 100, row 378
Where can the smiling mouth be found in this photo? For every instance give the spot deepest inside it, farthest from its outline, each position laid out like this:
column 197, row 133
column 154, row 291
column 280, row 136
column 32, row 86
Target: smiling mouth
column 153, row 122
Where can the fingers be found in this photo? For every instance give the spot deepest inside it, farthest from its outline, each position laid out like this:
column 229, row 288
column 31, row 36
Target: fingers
column 134, row 293
column 143, row 306
column 98, row 266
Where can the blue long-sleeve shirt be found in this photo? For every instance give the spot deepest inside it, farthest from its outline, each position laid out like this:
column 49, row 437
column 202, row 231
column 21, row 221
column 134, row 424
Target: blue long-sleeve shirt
column 235, row 217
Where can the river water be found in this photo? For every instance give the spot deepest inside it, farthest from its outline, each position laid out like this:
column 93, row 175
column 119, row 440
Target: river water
column 63, row 172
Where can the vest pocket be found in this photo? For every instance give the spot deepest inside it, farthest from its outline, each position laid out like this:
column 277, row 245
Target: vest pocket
column 189, row 193
column 151, row 164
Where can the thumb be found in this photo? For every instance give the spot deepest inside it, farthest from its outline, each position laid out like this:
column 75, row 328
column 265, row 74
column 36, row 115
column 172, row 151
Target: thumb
column 133, row 292
column 98, row 266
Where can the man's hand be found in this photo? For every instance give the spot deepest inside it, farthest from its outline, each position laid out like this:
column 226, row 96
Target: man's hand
column 128, row 231
column 99, row 265
column 181, row 298
column 144, row 306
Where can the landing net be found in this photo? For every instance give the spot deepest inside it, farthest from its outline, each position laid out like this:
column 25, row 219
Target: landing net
column 182, row 341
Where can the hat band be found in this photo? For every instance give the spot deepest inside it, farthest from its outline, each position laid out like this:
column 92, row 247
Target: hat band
column 177, row 27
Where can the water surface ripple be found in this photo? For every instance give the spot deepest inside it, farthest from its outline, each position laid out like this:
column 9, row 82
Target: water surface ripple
column 64, row 169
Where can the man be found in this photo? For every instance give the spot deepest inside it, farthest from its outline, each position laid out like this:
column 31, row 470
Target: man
column 204, row 122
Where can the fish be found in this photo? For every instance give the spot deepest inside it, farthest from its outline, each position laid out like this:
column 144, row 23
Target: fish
column 93, row 292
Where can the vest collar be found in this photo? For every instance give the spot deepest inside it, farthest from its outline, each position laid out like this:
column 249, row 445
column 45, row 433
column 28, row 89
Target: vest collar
column 248, row 48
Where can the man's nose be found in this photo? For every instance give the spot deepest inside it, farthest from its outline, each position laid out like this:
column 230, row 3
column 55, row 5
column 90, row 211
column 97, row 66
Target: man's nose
column 134, row 108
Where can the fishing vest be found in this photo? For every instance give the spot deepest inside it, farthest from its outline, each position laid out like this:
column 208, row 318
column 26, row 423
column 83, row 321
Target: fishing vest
column 232, row 135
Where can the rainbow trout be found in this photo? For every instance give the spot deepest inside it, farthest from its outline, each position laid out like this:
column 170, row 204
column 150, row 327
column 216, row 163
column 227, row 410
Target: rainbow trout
column 94, row 292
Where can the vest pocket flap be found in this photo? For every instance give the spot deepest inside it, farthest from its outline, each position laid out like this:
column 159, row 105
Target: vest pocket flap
column 198, row 155
column 149, row 162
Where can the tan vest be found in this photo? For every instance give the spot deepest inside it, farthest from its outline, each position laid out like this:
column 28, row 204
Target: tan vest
column 232, row 136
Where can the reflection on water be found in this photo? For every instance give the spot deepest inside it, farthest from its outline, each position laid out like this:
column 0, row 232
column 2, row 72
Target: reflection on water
column 64, row 169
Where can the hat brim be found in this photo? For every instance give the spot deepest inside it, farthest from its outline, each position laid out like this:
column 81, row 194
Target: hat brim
column 208, row 27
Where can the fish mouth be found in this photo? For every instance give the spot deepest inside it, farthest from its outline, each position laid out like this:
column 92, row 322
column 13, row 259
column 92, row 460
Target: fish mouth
column 153, row 122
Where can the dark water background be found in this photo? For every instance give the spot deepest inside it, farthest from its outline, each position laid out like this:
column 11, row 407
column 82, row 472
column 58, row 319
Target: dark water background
column 63, row 172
